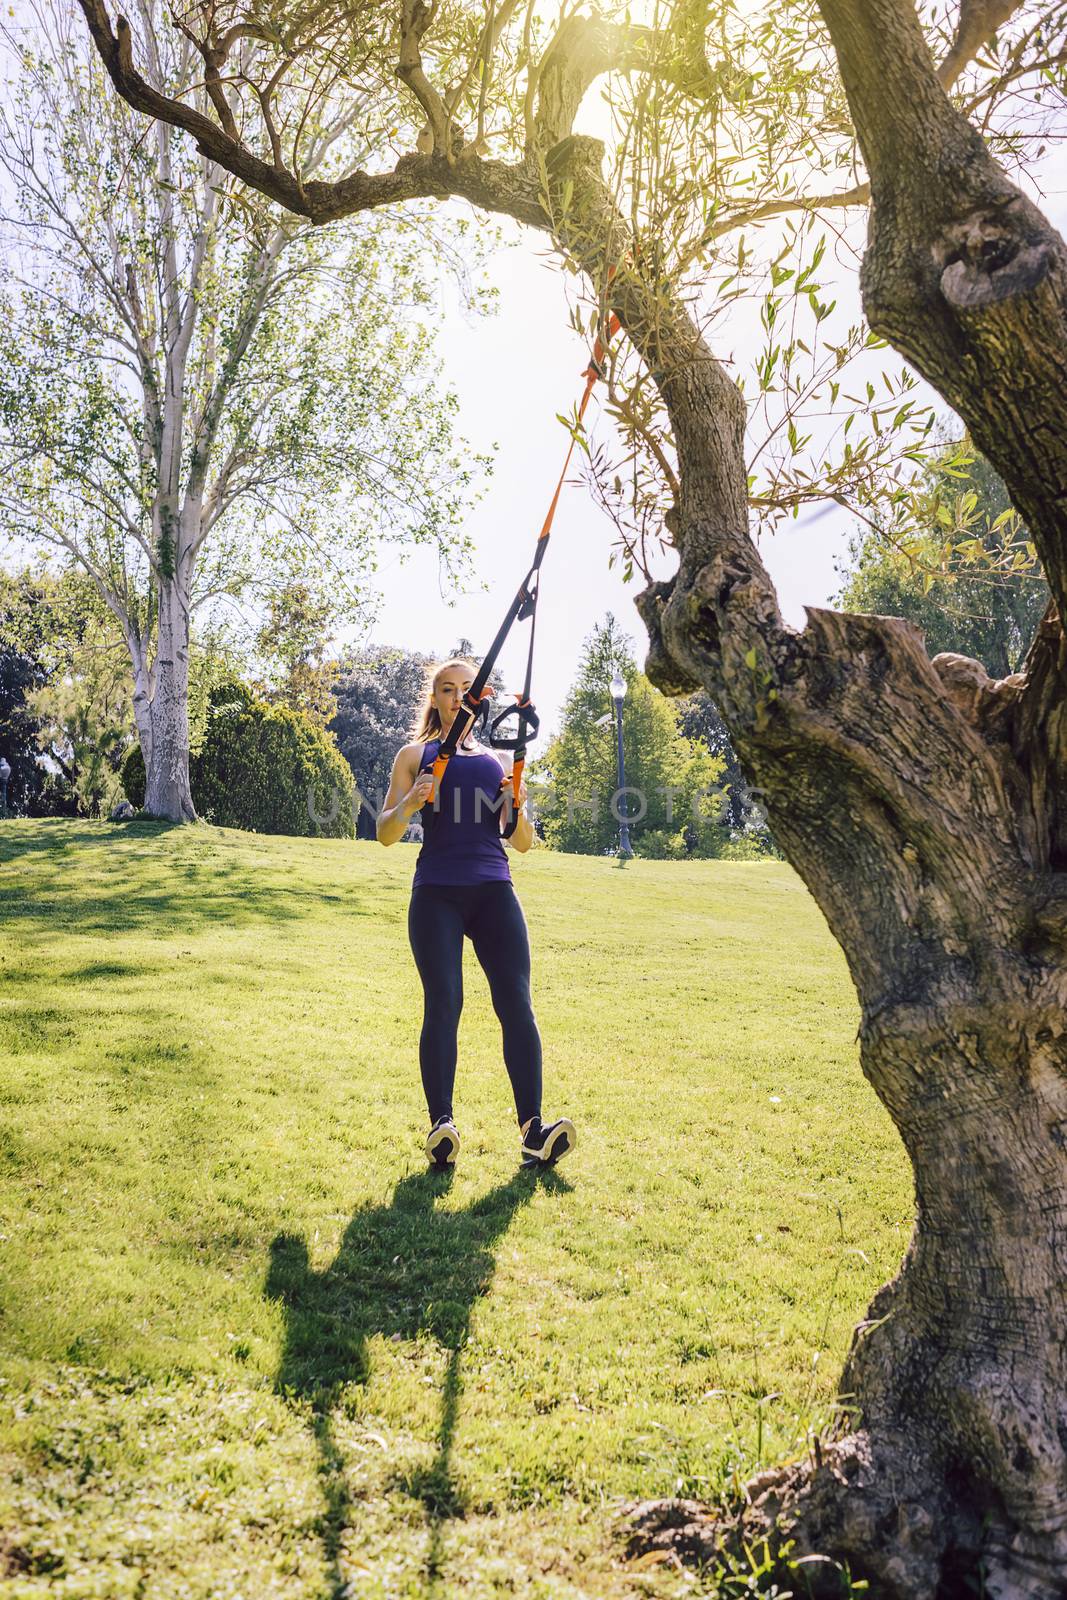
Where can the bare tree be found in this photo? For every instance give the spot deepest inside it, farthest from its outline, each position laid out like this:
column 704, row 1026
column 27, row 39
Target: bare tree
column 924, row 805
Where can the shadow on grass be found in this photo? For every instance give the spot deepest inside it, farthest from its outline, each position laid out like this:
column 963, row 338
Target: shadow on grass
column 404, row 1270
column 96, row 877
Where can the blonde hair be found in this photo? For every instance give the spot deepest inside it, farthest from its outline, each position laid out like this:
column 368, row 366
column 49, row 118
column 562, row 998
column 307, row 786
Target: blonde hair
column 427, row 724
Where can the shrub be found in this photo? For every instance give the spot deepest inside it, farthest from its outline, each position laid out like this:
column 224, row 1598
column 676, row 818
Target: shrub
column 259, row 763
column 255, row 768
column 746, row 847
column 659, row 845
column 134, row 777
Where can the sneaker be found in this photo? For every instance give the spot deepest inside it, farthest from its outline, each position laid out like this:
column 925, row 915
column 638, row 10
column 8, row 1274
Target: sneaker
column 544, row 1145
column 442, row 1143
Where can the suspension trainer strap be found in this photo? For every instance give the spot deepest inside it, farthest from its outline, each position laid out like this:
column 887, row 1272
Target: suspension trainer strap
column 523, row 606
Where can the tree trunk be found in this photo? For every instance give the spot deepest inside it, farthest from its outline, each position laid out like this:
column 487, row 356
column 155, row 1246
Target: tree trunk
column 955, row 1474
column 893, row 785
column 167, row 791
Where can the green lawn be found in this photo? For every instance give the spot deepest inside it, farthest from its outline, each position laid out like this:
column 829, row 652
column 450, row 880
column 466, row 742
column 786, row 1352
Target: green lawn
column 251, row 1348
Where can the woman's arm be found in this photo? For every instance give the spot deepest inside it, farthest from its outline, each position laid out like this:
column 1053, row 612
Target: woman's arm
column 408, row 792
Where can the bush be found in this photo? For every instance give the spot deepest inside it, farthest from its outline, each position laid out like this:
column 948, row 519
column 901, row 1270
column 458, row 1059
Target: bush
column 659, row 845
column 255, row 768
column 134, row 777
column 747, row 847
column 259, row 764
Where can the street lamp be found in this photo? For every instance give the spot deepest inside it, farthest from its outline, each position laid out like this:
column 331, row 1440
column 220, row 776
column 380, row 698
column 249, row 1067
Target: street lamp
column 5, row 773
column 618, row 692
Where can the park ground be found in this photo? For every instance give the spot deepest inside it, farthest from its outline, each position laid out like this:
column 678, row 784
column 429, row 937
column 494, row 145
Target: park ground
column 250, row 1348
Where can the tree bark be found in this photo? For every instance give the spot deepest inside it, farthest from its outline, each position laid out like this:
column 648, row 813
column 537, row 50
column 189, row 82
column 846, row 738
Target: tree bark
column 913, row 831
column 167, row 790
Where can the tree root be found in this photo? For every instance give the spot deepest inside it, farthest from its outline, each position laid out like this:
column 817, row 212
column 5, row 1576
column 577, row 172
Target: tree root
column 855, row 1512
column 837, row 1517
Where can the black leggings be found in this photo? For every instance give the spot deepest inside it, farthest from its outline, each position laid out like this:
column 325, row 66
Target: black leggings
column 490, row 915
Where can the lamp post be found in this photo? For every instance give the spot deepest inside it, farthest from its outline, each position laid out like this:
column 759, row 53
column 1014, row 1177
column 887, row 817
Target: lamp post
column 618, row 692
column 5, row 774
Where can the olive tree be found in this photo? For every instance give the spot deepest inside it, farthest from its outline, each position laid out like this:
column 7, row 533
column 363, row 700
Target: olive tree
column 924, row 804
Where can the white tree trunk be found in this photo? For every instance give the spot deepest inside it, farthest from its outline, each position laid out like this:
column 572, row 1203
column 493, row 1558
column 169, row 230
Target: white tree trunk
column 167, row 790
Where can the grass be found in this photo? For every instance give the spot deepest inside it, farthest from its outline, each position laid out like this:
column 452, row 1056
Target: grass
column 252, row 1348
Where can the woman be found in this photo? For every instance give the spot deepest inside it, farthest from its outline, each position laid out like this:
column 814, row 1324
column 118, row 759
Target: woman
column 463, row 887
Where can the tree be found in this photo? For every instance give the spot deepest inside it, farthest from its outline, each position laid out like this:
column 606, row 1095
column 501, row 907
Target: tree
column 924, row 805
column 293, row 644
column 980, row 600
column 85, row 728
column 201, row 398
column 25, row 669
column 698, row 719
column 673, row 797
column 377, row 699
column 71, row 722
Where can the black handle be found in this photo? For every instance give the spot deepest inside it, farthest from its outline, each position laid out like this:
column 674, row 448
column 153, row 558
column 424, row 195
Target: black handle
column 528, row 724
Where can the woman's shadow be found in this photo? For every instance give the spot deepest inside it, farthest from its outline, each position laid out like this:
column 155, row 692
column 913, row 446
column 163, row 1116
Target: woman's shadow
column 403, row 1270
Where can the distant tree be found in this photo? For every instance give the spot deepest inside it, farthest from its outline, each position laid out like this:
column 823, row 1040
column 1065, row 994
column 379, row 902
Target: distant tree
column 86, row 727
column 75, row 712
column 293, row 644
column 377, row 699
column 578, row 779
column 698, row 718
column 19, row 674
column 24, row 669
column 969, row 582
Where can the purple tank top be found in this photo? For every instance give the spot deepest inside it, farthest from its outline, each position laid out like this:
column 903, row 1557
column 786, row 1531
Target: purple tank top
column 461, row 833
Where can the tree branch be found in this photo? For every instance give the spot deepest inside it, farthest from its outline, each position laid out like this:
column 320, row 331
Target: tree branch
column 978, row 22
column 415, row 18
column 584, row 48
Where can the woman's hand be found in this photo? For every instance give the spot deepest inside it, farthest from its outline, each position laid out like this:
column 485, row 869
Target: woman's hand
column 522, row 835
column 418, row 794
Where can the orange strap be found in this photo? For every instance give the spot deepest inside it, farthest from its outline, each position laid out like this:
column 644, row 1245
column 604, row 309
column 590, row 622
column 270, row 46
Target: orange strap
column 592, row 372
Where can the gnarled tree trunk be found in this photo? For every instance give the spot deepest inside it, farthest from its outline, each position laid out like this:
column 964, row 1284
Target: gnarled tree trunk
column 924, row 806
column 892, row 784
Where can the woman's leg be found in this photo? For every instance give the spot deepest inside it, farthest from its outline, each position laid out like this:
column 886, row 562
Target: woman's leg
column 435, row 929
column 501, row 943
